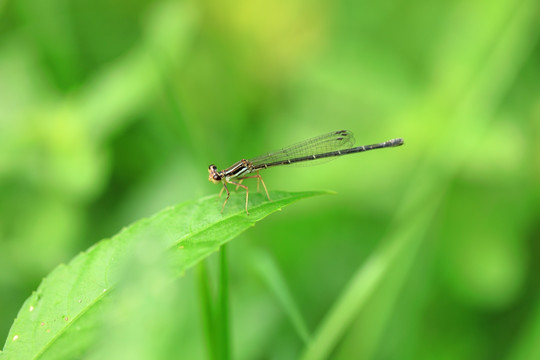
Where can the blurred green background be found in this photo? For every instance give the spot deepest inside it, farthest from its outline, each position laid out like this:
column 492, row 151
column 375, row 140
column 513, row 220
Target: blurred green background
column 112, row 110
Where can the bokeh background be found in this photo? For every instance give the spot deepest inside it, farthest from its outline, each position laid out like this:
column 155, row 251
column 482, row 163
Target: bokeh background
column 112, row 110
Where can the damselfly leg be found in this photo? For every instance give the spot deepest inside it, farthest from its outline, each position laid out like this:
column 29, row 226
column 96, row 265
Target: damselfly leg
column 239, row 185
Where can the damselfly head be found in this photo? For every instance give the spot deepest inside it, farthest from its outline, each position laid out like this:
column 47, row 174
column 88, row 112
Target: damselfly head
column 213, row 174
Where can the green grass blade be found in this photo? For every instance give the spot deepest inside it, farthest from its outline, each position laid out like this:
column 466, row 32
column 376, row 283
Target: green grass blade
column 269, row 272
column 526, row 345
column 223, row 306
column 399, row 248
column 62, row 318
column 207, row 310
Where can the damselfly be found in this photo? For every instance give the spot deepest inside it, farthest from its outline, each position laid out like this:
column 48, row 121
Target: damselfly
column 330, row 145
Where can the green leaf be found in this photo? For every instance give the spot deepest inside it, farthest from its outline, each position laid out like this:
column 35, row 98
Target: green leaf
column 61, row 318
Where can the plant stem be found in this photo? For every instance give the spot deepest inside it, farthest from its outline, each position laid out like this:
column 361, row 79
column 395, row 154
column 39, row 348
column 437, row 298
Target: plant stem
column 207, row 312
column 224, row 305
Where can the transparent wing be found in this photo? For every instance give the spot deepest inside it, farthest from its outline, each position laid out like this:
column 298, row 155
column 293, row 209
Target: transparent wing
column 336, row 140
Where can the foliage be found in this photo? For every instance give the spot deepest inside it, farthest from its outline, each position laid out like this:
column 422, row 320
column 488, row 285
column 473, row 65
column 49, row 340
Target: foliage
column 61, row 319
column 112, row 111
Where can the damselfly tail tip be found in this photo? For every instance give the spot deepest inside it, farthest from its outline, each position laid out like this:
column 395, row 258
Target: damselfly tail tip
column 396, row 142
